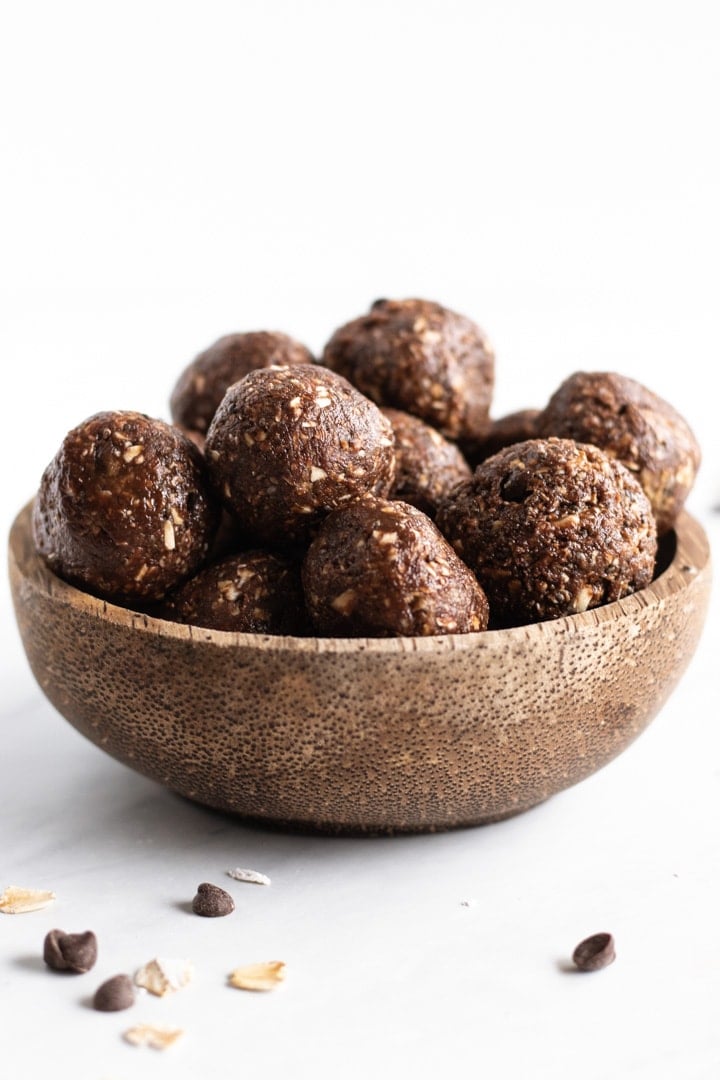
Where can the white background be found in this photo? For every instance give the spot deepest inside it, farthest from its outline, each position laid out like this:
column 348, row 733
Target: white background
column 173, row 172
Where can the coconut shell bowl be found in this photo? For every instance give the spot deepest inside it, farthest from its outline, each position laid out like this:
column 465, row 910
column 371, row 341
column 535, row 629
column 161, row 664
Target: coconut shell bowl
column 351, row 735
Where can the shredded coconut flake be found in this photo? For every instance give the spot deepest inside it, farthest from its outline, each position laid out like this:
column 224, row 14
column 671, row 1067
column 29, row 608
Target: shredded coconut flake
column 163, row 977
column 253, row 877
column 169, row 535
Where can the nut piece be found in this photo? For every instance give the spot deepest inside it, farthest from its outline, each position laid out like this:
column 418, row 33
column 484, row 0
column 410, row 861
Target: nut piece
column 264, row 976
column 164, row 976
column 211, row 901
column 16, row 901
column 253, row 877
column 76, row 953
column 157, row 1038
column 594, row 953
column 114, row 994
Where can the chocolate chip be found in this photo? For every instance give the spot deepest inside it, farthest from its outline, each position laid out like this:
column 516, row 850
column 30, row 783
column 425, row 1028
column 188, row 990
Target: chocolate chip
column 75, row 953
column 595, row 952
column 212, row 901
column 114, row 994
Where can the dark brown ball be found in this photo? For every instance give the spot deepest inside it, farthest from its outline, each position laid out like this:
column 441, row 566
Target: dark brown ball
column 255, row 593
column 634, row 425
column 124, row 508
column 382, row 569
column 551, row 527
column 427, row 465
column 202, row 385
column 197, row 437
column 287, row 445
column 230, row 539
column 515, row 427
column 420, row 357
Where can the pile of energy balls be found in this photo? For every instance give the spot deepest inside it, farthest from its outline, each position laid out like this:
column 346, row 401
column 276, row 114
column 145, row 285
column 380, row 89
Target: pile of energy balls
column 367, row 493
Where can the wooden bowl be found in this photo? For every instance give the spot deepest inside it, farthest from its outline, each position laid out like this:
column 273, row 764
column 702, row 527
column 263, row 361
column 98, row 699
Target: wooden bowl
column 403, row 734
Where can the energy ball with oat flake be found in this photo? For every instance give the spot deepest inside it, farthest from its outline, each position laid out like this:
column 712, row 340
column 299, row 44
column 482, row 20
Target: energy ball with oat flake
column 124, row 509
column 287, row 445
column 427, row 465
column 202, row 385
column 254, row 592
column 551, row 527
column 420, row 357
column 381, row 569
column 634, row 425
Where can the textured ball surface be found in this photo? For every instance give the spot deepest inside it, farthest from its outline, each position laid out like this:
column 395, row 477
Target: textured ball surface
column 634, row 425
column 255, row 592
column 124, row 509
column 202, row 385
column 287, row 445
column 427, row 465
column 381, row 568
column 419, row 356
column 551, row 527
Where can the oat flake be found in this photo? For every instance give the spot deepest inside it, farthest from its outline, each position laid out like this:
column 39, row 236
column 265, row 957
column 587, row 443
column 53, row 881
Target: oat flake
column 16, row 901
column 158, row 1038
column 264, row 976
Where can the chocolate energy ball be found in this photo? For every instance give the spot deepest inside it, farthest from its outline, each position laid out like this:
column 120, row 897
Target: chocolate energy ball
column 551, row 527
column 287, row 445
column 634, row 425
column 196, row 437
column 230, row 538
column 381, row 569
column 124, row 508
column 427, row 465
column 418, row 356
column 202, row 385
column 229, row 535
column 515, row 427
column 255, row 592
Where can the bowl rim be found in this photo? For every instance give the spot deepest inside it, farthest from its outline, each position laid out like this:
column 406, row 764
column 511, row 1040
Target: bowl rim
column 691, row 557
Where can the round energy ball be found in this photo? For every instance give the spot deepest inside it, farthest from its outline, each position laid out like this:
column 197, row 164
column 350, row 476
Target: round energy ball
column 634, row 425
column 287, row 445
column 381, row 569
column 202, row 385
column 551, row 527
column 124, row 508
column 427, row 465
column 420, row 357
column 254, row 592
column 515, row 427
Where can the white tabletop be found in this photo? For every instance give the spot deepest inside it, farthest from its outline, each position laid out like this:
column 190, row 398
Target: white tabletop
column 176, row 176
